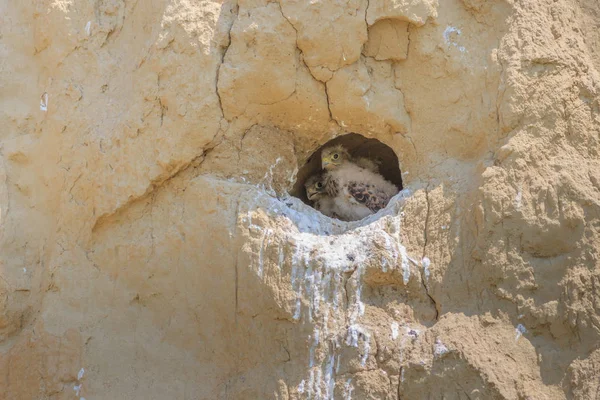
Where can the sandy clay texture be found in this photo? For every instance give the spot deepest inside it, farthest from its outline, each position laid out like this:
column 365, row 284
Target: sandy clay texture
column 150, row 249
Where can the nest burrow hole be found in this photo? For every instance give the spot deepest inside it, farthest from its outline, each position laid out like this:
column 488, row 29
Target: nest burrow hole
column 358, row 146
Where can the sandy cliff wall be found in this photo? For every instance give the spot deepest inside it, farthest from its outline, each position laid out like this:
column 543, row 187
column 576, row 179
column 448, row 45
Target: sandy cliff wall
column 149, row 249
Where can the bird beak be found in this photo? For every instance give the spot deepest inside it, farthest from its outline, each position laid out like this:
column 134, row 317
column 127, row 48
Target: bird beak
column 310, row 194
column 325, row 162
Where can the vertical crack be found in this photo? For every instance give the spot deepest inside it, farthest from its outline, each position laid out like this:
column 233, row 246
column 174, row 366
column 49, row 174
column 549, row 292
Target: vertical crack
column 328, row 103
column 241, row 148
column 152, row 236
column 426, row 240
column 162, row 110
column 224, row 50
column 408, row 45
column 399, row 383
column 301, row 59
column 412, row 143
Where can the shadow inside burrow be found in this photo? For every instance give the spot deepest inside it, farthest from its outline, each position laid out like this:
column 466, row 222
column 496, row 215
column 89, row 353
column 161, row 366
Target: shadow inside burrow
column 358, row 146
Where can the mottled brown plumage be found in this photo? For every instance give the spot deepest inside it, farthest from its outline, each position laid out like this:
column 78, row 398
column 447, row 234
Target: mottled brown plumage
column 369, row 195
column 317, row 193
column 357, row 192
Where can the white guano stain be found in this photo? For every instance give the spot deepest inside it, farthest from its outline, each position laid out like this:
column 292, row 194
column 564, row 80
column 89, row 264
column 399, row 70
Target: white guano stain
column 301, row 386
column 518, row 199
column 426, row 262
column 320, row 257
column 448, row 38
column 395, row 330
column 44, row 102
column 348, row 388
column 440, row 349
column 520, row 331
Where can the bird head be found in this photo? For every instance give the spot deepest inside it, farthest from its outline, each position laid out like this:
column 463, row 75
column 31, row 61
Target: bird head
column 315, row 187
column 333, row 157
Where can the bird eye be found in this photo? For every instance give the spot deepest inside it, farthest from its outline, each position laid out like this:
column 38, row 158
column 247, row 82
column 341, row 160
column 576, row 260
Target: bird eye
column 336, row 156
column 319, row 185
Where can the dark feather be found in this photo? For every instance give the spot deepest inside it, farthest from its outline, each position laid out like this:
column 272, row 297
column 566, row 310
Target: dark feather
column 332, row 186
column 368, row 195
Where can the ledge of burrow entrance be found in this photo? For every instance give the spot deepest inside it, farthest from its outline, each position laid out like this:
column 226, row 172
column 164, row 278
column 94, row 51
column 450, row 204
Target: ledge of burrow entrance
column 337, row 286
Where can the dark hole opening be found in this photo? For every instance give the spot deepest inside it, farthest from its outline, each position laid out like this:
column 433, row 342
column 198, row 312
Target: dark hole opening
column 358, row 146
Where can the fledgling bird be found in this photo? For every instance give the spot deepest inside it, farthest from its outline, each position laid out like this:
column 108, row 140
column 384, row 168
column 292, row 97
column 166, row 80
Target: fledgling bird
column 316, row 192
column 357, row 192
column 366, row 163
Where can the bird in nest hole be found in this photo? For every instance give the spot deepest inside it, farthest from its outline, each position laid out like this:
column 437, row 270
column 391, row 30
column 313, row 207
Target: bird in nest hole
column 348, row 188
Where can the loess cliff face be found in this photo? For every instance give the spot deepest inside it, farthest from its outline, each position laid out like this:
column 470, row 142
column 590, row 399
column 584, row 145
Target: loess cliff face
column 149, row 249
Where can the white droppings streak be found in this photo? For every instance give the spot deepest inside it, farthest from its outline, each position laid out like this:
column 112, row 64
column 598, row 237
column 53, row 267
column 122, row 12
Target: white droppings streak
column 309, row 286
column 44, row 102
column 264, row 242
column 317, row 384
column 267, row 180
column 426, row 263
column 301, row 386
column 366, row 349
column 88, row 28
column 298, row 311
column 448, row 31
column 518, row 199
column 329, row 378
column 281, row 258
column 356, row 332
column 313, row 346
column 439, row 349
column 321, row 255
column 395, row 330
column 448, row 39
column 405, row 266
column 521, row 330
column 337, row 282
column 348, row 388
column 392, row 249
column 80, row 374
